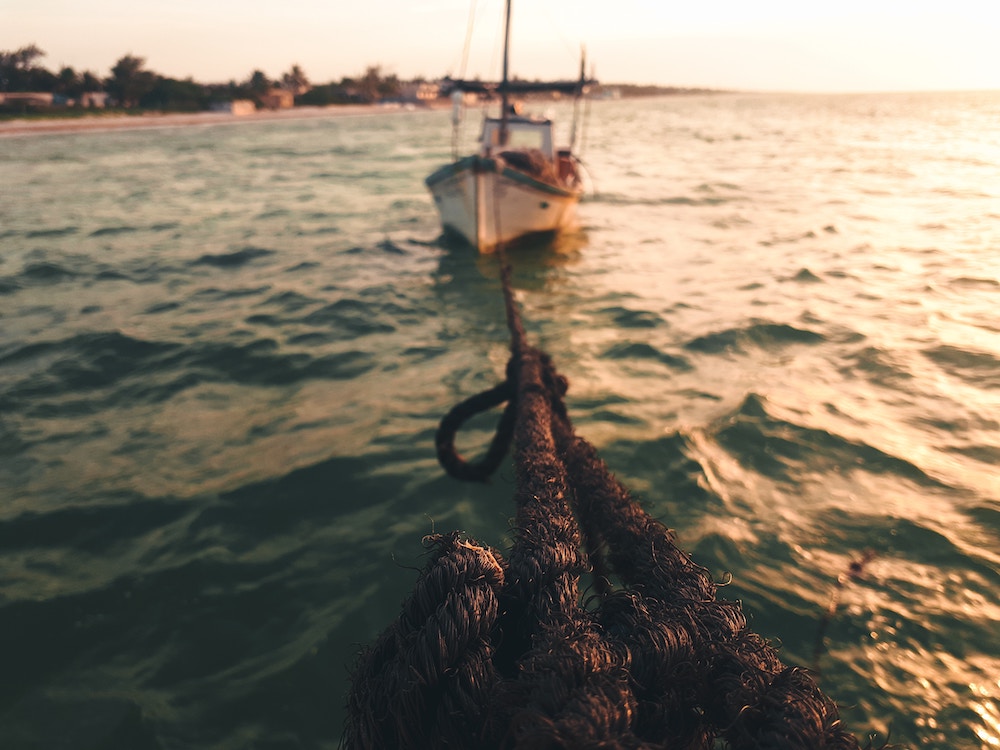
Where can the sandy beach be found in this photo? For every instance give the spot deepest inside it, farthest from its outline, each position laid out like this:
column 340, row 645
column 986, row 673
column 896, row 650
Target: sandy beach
column 99, row 122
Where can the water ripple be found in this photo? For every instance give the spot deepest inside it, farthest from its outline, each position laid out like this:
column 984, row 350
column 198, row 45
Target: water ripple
column 757, row 334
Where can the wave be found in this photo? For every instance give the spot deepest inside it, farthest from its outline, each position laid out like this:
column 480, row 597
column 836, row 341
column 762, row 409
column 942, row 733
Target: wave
column 238, row 606
column 805, row 276
column 35, row 234
column 986, row 454
column 234, row 259
column 973, row 282
column 788, row 239
column 215, row 294
column 139, row 270
column 978, row 368
column 784, row 451
column 89, row 527
column 188, row 627
column 759, row 334
column 622, row 199
column 291, row 301
column 644, row 351
column 349, row 318
column 164, row 226
column 46, row 272
column 274, row 213
column 667, row 466
column 114, row 231
column 65, row 377
column 622, row 317
column 373, row 310
column 112, row 351
column 880, row 366
column 388, row 246
column 282, row 504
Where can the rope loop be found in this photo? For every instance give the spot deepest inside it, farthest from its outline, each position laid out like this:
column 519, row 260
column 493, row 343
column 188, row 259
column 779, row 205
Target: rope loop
column 444, row 439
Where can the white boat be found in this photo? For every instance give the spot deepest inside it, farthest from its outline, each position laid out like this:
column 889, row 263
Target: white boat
column 518, row 184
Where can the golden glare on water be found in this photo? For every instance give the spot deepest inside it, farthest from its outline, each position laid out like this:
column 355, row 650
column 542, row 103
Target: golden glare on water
column 987, row 706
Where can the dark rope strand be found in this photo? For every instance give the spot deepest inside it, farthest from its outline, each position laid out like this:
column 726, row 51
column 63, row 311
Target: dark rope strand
column 643, row 555
column 436, row 657
column 566, row 666
column 444, row 439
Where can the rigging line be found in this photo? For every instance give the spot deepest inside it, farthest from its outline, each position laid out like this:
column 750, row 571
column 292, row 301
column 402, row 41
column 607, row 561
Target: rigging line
column 468, row 40
column 585, row 130
column 501, row 253
column 576, row 101
column 554, row 25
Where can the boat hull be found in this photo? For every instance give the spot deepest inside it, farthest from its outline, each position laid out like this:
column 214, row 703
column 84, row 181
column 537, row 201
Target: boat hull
column 488, row 203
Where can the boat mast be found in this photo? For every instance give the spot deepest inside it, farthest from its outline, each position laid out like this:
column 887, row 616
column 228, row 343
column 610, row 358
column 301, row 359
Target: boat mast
column 504, row 103
column 576, row 98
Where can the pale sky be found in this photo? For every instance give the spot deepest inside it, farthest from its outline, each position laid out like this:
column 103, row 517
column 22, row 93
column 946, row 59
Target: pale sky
column 772, row 45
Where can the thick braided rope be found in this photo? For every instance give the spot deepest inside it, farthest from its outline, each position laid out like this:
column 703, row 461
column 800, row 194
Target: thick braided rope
column 426, row 681
column 496, row 654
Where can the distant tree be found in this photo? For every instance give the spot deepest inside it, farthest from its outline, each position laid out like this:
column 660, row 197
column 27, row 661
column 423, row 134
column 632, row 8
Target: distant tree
column 258, row 83
column 90, row 82
column 172, row 95
column 368, row 84
column 129, row 81
column 68, row 83
column 224, row 92
column 19, row 72
column 389, row 87
column 41, row 79
column 295, row 81
column 325, row 95
column 373, row 86
column 130, row 84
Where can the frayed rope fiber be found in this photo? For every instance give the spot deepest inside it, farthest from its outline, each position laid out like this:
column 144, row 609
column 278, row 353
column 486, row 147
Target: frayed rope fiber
column 501, row 653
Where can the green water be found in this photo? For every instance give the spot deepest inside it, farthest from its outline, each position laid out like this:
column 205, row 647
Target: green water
column 225, row 350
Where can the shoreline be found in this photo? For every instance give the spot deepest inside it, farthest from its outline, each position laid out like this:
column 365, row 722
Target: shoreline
column 97, row 123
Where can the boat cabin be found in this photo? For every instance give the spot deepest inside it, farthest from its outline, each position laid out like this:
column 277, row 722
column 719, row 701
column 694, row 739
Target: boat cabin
column 523, row 133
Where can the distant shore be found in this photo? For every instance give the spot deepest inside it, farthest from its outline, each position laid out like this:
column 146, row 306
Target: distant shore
column 101, row 121
column 98, row 122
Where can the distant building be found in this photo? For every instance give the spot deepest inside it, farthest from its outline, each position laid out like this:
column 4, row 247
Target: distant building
column 235, row 107
column 278, row 99
column 298, row 88
column 94, row 99
column 26, row 98
column 420, row 92
column 88, row 99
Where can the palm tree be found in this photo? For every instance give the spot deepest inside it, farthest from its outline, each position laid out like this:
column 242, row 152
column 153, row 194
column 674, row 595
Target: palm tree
column 129, row 81
column 259, row 83
column 368, row 85
column 68, row 83
column 295, row 81
column 18, row 69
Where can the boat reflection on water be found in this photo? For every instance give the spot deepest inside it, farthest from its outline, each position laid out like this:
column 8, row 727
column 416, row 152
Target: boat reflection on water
column 532, row 259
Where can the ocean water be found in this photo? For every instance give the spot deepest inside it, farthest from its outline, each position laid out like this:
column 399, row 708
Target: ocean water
column 224, row 350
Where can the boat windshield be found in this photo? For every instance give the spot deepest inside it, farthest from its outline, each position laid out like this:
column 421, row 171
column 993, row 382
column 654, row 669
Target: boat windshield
column 521, row 134
column 525, row 138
